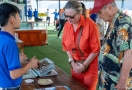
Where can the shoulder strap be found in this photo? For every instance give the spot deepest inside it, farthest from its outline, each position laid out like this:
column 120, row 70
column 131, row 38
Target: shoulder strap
column 78, row 41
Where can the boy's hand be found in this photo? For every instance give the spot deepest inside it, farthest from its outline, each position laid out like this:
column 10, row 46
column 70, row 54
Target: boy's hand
column 22, row 57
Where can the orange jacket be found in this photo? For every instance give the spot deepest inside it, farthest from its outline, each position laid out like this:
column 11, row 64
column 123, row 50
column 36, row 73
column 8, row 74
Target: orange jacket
column 89, row 41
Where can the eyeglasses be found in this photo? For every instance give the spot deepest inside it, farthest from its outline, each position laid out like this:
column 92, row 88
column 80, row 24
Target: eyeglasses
column 71, row 17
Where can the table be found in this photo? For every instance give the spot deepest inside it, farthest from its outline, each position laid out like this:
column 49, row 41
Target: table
column 35, row 37
column 32, row 22
column 62, row 79
column 20, row 45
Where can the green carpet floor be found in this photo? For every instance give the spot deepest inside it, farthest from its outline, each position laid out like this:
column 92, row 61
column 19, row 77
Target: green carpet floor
column 53, row 51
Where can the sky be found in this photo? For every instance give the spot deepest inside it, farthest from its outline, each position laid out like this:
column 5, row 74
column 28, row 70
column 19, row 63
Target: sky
column 54, row 4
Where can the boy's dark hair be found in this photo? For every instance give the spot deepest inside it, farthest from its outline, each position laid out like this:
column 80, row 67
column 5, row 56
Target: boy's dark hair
column 6, row 11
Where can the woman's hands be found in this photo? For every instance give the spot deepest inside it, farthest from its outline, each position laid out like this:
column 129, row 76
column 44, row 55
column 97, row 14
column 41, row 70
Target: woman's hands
column 77, row 67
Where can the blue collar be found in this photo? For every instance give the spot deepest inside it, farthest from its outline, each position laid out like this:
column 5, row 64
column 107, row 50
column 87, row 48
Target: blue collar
column 7, row 34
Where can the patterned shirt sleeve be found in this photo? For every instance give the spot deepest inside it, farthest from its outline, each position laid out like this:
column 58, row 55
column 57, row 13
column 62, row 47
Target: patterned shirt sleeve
column 124, row 39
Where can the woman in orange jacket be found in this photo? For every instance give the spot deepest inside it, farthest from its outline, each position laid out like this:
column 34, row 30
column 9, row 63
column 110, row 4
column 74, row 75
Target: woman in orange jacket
column 81, row 42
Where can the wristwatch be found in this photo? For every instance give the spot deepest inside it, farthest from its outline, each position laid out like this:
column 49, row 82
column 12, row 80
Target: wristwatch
column 70, row 60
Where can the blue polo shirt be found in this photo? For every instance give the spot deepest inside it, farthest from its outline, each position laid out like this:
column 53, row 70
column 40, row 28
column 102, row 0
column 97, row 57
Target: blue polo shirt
column 30, row 13
column 36, row 14
column 9, row 60
column 55, row 15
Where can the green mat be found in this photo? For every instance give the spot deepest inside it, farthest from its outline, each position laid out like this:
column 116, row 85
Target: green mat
column 53, row 51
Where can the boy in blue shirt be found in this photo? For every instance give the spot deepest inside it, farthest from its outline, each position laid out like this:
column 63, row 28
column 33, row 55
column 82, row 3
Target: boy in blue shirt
column 11, row 70
column 55, row 16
